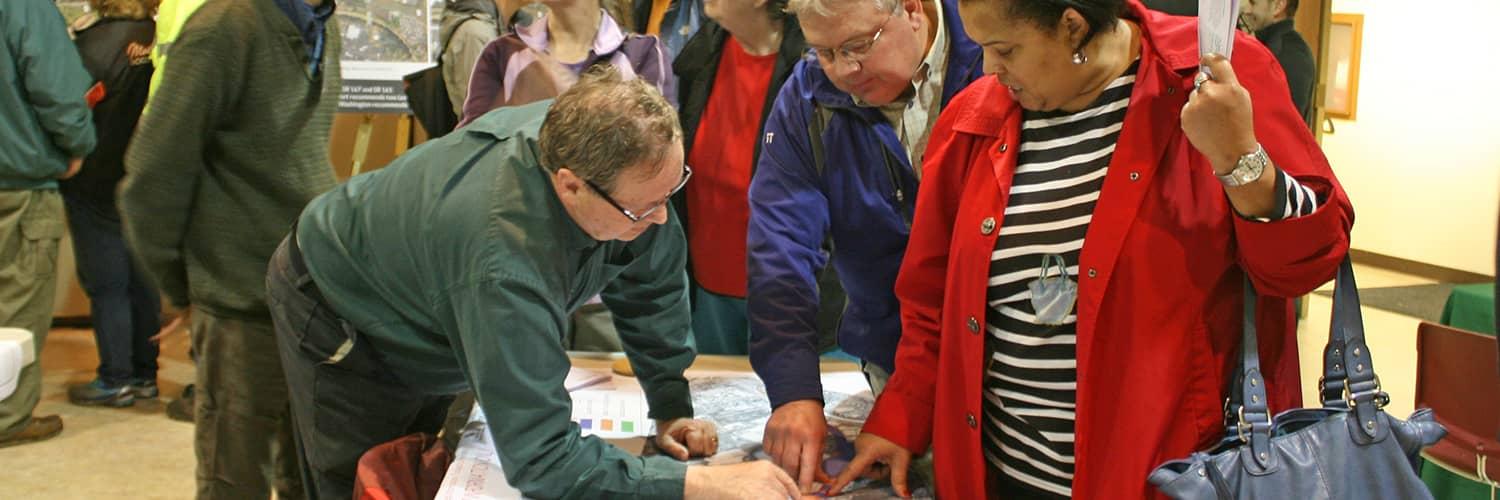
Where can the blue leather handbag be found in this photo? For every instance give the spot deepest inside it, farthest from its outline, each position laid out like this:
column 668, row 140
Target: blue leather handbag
column 1348, row 449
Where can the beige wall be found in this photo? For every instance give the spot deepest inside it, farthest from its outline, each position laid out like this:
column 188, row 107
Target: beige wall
column 1421, row 161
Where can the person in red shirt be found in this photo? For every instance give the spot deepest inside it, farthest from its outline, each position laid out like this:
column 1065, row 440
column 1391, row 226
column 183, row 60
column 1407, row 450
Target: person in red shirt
column 728, row 77
column 1071, row 297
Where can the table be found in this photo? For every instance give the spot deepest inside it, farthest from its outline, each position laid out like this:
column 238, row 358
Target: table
column 1471, row 307
column 725, row 390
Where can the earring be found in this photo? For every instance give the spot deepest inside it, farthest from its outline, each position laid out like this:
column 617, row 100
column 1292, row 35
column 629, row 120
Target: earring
column 1079, row 58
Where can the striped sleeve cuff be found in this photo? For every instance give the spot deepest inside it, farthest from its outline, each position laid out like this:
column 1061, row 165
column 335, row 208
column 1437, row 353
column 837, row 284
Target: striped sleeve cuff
column 1293, row 199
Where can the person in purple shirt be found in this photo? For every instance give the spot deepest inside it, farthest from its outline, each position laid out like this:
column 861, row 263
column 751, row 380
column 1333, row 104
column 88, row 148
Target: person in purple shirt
column 542, row 59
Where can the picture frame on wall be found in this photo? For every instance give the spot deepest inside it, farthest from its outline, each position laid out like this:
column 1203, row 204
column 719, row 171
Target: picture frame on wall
column 1341, row 97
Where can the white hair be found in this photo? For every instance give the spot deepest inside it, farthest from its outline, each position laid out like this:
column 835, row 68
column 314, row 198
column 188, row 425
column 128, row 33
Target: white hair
column 825, row 8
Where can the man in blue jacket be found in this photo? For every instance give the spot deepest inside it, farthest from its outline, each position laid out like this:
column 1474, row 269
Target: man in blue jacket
column 883, row 71
column 45, row 131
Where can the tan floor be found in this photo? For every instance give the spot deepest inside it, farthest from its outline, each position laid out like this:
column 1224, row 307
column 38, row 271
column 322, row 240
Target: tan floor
column 139, row 453
column 135, row 453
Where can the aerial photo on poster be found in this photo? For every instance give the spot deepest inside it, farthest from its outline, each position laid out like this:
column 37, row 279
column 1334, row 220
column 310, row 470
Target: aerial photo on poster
column 383, row 41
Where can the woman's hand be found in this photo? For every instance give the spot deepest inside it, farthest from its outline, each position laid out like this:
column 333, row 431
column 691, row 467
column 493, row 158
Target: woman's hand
column 885, row 456
column 1218, row 118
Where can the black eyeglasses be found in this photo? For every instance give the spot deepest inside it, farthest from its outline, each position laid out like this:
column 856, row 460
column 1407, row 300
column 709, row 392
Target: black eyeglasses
column 687, row 173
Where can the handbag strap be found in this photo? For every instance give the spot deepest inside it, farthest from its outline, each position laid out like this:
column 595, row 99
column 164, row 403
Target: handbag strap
column 1359, row 388
column 1346, row 347
column 1247, row 400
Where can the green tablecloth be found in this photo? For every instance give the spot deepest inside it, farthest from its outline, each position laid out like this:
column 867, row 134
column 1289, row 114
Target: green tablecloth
column 1470, row 307
column 1448, row 485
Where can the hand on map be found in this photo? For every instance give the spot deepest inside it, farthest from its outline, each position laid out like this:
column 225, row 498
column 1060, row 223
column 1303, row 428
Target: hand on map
column 875, row 456
column 684, row 438
column 748, row 480
column 794, row 440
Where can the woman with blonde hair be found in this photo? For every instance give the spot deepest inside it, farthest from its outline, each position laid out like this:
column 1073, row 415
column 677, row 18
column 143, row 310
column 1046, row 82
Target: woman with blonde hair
column 115, row 41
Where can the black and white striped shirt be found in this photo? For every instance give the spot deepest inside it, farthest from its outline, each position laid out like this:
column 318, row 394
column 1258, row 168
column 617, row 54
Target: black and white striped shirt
column 1031, row 374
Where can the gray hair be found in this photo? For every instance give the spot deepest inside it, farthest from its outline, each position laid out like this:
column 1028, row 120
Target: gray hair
column 825, row 8
column 604, row 125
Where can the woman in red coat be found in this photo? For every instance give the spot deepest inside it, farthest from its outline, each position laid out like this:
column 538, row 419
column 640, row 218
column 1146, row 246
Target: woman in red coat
column 1071, row 294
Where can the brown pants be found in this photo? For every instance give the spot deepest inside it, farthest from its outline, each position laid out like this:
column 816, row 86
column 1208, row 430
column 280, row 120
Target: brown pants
column 243, row 434
column 31, row 224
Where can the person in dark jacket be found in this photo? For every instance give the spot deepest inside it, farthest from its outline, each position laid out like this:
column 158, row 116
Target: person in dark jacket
column 45, row 132
column 883, row 71
column 115, row 41
column 728, row 77
column 1271, row 21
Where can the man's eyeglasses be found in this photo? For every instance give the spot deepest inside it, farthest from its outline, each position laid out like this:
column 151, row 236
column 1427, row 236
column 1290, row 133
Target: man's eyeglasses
column 687, row 173
column 854, row 51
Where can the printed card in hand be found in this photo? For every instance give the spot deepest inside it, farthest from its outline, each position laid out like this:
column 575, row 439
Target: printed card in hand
column 1216, row 22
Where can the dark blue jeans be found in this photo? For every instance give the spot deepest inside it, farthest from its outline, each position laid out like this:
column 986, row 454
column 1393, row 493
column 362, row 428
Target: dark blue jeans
column 126, row 309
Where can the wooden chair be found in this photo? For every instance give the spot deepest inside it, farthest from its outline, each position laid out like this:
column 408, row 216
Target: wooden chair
column 1458, row 376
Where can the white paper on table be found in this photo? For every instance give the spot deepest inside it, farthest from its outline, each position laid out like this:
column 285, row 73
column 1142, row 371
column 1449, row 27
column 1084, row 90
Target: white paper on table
column 579, row 378
column 612, row 413
column 1216, row 22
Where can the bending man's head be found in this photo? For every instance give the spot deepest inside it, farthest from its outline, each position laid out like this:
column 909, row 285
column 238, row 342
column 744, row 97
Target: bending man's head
column 614, row 148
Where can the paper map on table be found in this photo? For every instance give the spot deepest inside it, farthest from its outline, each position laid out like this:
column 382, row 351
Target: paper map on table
column 1216, row 22
column 734, row 401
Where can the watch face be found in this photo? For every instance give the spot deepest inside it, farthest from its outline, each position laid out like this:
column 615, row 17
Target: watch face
column 1247, row 169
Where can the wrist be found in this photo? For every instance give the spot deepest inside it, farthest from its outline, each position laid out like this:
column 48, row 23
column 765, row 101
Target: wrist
column 796, row 403
column 693, row 482
column 1226, row 163
column 1223, row 166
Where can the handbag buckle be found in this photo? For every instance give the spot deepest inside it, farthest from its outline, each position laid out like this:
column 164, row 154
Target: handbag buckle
column 1242, row 427
column 1379, row 397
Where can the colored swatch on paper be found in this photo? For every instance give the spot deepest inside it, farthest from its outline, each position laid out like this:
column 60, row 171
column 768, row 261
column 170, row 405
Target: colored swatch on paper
column 611, row 413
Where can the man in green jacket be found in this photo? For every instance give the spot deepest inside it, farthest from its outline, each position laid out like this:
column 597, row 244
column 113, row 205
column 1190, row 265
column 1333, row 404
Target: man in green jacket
column 457, row 267
column 234, row 146
column 45, row 131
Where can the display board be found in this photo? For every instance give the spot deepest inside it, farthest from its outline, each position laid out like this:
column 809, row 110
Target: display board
column 383, row 40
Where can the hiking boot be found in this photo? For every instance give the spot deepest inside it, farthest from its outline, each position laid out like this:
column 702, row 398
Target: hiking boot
column 39, row 429
column 144, row 389
column 181, row 410
column 99, row 393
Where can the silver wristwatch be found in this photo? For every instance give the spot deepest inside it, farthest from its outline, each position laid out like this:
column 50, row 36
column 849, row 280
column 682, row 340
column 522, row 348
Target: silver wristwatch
column 1248, row 169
